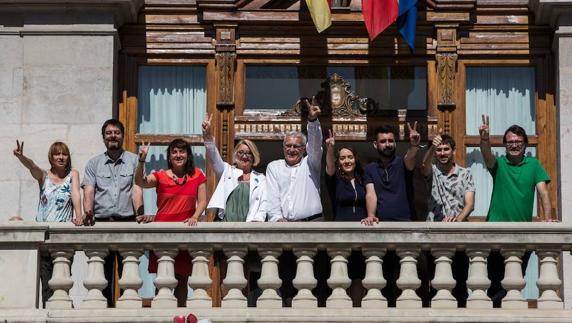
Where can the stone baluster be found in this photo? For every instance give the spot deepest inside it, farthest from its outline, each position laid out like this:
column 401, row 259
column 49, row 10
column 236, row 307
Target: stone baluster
column 304, row 280
column 200, row 280
column 373, row 279
column 234, row 279
column 339, row 280
column 269, row 279
column 408, row 280
column 130, row 280
column 61, row 281
column 478, row 280
column 95, row 281
column 548, row 280
column 165, row 280
column 443, row 281
column 513, row 280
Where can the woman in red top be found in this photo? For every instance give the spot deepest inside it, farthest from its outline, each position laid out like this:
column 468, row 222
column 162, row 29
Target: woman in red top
column 181, row 197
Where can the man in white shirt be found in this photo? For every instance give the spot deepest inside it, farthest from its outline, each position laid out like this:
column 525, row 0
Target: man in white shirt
column 293, row 183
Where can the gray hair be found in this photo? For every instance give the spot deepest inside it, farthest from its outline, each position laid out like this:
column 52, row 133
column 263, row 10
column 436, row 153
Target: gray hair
column 295, row 134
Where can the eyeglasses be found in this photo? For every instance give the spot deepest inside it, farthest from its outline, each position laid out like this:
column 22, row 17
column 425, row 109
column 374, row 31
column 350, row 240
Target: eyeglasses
column 517, row 143
column 242, row 153
column 293, row 146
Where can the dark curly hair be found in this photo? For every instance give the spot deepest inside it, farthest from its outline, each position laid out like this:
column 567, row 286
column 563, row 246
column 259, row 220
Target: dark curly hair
column 182, row 144
column 358, row 170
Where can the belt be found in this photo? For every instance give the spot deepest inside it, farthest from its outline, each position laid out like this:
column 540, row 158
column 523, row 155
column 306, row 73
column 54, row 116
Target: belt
column 115, row 218
column 310, row 218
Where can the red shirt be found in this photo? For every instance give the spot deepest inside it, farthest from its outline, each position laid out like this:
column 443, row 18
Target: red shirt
column 176, row 203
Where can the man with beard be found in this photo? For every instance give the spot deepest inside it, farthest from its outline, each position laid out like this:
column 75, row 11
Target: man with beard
column 515, row 178
column 452, row 199
column 109, row 192
column 389, row 193
column 452, row 187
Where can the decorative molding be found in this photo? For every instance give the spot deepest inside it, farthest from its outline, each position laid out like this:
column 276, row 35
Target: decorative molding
column 225, row 64
column 446, row 69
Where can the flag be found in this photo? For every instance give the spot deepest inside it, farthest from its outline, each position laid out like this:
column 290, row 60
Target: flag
column 378, row 15
column 320, row 12
column 407, row 21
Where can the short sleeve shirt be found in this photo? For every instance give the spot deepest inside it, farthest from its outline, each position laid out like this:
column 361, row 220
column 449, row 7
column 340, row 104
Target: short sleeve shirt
column 512, row 199
column 113, row 184
column 448, row 192
column 394, row 189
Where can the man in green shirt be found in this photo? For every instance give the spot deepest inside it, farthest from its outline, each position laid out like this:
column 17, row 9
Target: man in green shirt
column 515, row 177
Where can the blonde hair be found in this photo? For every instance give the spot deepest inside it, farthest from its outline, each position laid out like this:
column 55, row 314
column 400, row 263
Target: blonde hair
column 253, row 149
column 59, row 147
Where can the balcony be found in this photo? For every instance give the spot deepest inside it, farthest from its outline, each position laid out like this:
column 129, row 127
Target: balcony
column 410, row 242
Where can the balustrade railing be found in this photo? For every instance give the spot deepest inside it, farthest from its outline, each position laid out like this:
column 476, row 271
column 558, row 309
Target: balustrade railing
column 409, row 241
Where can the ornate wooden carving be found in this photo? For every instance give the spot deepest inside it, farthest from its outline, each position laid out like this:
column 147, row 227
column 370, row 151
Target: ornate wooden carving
column 225, row 63
column 336, row 99
column 446, row 68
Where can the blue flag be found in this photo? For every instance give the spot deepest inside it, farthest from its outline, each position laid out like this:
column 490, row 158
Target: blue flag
column 407, row 21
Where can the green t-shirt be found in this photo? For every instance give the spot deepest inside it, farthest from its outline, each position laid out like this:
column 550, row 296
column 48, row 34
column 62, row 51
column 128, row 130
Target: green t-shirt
column 513, row 190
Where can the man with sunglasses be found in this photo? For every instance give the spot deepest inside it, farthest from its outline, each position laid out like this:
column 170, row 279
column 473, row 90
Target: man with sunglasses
column 515, row 178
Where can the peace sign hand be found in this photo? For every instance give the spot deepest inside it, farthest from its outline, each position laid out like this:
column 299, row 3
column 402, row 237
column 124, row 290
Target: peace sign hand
column 206, row 125
column 19, row 151
column 484, row 129
column 438, row 139
column 414, row 136
column 313, row 109
column 331, row 140
column 143, row 150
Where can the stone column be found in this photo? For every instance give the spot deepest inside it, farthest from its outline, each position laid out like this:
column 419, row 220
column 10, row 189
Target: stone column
column 61, row 281
column 130, row 280
column 373, row 279
column 478, row 280
column 443, row 281
column 95, row 281
column 165, row 280
column 234, row 279
column 548, row 281
column 200, row 280
column 304, row 280
column 269, row 279
column 513, row 280
column 408, row 280
column 339, row 279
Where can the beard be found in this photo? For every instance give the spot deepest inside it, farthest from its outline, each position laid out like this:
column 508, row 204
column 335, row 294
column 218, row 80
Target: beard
column 387, row 152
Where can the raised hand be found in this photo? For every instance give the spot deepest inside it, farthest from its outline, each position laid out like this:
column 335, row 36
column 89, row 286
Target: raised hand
column 19, row 151
column 143, row 151
column 438, row 139
column 331, row 140
column 484, row 129
column 313, row 109
column 414, row 136
column 206, row 125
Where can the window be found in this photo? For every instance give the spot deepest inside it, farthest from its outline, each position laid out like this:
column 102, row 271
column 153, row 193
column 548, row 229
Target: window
column 275, row 88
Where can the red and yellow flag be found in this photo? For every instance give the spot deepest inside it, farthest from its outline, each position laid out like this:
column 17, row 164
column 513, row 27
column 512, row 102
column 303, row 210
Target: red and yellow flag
column 321, row 15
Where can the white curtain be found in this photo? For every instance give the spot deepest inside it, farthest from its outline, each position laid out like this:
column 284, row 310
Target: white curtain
column 506, row 94
column 172, row 100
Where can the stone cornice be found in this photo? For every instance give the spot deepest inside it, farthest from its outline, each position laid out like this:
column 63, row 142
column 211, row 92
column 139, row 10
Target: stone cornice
column 552, row 12
column 123, row 11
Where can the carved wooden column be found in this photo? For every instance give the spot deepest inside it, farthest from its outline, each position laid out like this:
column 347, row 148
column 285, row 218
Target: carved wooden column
column 61, row 281
column 548, row 281
column 478, row 280
column 446, row 70
column 304, row 280
column 130, row 280
column 373, row 279
column 225, row 71
column 200, row 280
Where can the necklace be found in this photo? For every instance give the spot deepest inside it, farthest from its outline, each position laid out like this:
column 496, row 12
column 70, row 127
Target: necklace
column 176, row 179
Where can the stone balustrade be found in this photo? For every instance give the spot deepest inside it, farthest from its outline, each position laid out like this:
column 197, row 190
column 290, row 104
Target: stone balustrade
column 409, row 243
